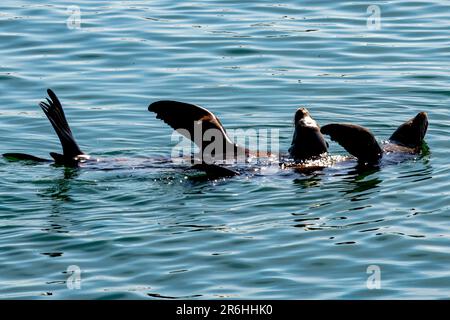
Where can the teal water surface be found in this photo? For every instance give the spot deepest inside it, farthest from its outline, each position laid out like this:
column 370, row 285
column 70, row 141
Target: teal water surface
column 151, row 233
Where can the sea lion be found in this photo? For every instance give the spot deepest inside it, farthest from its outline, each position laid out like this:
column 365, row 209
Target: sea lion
column 73, row 156
column 362, row 144
column 193, row 122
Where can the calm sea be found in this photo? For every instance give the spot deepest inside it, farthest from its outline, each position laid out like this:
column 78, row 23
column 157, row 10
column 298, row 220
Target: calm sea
column 154, row 233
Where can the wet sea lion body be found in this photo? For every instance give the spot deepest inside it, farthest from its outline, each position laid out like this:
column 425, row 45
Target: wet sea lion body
column 309, row 150
column 193, row 122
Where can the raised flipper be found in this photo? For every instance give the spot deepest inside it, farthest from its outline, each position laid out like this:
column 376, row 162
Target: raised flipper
column 23, row 157
column 214, row 171
column 412, row 132
column 357, row 140
column 55, row 114
column 193, row 122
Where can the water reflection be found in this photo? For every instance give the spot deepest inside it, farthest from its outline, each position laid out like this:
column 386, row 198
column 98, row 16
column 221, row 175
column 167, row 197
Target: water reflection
column 61, row 187
column 425, row 151
column 59, row 193
column 358, row 184
column 309, row 181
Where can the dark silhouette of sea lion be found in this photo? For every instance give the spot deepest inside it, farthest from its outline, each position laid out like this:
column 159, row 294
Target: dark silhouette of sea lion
column 361, row 143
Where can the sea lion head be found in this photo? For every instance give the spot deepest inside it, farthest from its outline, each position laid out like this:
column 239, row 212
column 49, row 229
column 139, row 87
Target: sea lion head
column 307, row 141
column 412, row 132
column 301, row 114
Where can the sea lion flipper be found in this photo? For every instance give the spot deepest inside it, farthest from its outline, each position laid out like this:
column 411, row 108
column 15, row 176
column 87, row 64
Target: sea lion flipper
column 188, row 118
column 55, row 114
column 357, row 140
column 59, row 158
column 214, row 171
column 412, row 132
column 23, row 157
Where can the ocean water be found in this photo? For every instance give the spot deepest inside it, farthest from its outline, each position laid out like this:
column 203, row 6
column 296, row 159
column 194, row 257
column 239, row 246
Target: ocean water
column 146, row 232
